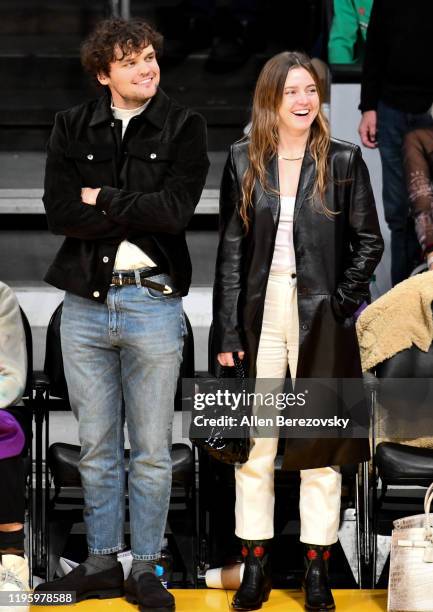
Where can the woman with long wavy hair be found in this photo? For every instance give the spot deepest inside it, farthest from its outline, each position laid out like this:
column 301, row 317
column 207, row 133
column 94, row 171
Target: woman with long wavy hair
column 299, row 241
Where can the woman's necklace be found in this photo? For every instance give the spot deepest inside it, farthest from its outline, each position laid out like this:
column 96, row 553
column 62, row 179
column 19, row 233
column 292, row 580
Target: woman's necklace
column 290, row 158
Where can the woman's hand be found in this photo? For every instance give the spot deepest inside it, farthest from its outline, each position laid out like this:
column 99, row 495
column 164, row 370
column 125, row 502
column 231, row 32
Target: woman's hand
column 226, row 359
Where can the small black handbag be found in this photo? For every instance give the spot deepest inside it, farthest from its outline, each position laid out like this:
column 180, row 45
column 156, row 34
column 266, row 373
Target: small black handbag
column 218, row 444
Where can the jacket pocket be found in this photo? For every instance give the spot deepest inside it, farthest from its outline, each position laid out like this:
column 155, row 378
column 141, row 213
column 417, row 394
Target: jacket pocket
column 153, row 152
column 90, row 153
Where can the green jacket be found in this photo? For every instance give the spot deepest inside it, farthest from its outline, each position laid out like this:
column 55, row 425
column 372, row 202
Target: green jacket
column 349, row 27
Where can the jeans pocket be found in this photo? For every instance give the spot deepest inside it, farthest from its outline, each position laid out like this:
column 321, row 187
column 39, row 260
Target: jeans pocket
column 183, row 325
column 164, row 280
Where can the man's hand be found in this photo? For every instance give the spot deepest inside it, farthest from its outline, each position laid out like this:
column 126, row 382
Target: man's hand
column 226, row 359
column 368, row 128
column 89, row 195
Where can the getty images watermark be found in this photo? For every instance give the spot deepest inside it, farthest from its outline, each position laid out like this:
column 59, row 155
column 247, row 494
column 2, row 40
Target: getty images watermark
column 243, row 401
column 319, row 408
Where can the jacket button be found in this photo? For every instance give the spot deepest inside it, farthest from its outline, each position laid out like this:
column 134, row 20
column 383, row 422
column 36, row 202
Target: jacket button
column 112, row 124
column 90, row 157
column 96, row 294
column 105, row 259
column 304, row 326
column 153, row 156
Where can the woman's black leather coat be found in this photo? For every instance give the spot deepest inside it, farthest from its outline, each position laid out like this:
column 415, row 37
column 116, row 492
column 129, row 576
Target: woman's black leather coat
column 335, row 258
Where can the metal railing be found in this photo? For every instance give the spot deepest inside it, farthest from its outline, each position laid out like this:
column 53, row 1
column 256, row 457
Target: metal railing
column 120, row 8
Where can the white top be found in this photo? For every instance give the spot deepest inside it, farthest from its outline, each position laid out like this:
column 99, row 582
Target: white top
column 129, row 256
column 284, row 251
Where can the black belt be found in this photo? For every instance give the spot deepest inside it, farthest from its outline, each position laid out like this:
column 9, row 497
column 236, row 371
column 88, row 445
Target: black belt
column 130, row 278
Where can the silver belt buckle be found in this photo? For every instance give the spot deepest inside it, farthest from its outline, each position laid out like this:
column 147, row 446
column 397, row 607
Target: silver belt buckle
column 120, row 278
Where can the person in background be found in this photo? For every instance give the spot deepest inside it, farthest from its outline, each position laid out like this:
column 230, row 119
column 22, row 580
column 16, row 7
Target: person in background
column 418, row 165
column 396, row 93
column 14, row 422
column 299, row 241
column 348, row 31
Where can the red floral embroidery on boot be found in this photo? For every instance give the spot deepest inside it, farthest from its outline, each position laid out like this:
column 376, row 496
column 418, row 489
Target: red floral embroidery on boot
column 244, row 551
column 259, row 551
column 326, row 555
column 312, row 554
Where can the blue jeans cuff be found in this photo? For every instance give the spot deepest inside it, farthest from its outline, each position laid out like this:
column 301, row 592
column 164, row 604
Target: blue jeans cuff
column 106, row 551
column 153, row 557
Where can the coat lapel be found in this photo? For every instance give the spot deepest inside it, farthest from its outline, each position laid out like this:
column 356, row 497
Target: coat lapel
column 306, row 179
column 272, row 200
column 270, row 197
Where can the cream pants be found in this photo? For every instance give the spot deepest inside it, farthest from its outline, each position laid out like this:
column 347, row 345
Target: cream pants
column 320, row 490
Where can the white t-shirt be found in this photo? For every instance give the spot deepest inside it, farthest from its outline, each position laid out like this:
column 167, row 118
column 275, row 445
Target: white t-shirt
column 129, row 256
column 284, row 252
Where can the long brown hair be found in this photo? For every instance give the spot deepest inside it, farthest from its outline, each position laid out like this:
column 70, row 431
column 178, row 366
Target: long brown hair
column 263, row 138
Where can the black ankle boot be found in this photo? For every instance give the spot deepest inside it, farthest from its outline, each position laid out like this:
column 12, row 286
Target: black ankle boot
column 256, row 583
column 318, row 596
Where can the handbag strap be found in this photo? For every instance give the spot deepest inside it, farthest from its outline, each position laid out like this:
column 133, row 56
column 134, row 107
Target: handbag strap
column 239, row 367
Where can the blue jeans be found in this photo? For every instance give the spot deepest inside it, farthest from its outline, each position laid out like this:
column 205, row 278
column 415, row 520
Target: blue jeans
column 122, row 360
column 392, row 125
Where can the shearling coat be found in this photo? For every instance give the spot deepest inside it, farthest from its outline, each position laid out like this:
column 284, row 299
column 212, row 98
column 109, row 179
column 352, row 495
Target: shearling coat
column 335, row 258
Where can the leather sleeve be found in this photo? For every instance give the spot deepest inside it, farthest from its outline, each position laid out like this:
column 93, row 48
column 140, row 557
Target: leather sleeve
column 364, row 236
column 227, row 286
column 66, row 213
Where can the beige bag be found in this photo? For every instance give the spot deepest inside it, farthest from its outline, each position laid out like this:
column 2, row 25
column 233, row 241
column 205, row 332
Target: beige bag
column 410, row 587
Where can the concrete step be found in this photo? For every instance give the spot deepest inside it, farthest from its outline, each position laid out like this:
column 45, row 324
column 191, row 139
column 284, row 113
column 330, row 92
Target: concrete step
column 29, row 202
column 26, row 255
column 22, row 179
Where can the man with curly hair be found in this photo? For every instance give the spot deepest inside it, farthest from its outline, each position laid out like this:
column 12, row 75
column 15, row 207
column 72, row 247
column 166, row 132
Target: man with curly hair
column 123, row 176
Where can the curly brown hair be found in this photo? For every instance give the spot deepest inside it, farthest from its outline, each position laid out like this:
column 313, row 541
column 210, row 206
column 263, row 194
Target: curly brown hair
column 98, row 51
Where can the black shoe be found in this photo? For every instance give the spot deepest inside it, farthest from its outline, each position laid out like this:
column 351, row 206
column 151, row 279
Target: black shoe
column 318, row 595
column 102, row 585
column 256, row 583
column 149, row 594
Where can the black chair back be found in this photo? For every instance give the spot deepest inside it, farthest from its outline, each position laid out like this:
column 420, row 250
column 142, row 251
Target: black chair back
column 53, row 366
column 29, row 347
column 410, row 363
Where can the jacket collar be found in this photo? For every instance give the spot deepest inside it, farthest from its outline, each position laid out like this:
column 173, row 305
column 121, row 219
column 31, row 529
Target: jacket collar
column 155, row 113
column 306, row 180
